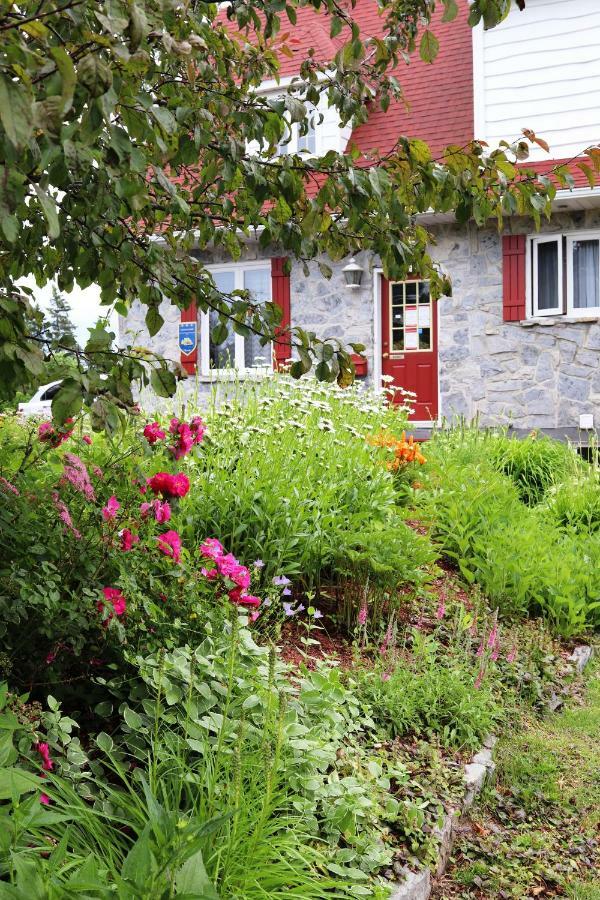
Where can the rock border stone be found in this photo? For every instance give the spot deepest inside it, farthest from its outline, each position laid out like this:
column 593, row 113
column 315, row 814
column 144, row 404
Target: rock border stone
column 417, row 885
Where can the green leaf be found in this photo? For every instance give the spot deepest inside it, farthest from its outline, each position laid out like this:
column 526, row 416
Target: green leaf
column 163, row 382
column 133, row 719
column 154, row 321
column 219, row 333
column 68, row 401
column 139, row 862
column 450, row 11
column 10, row 227
column 49, row 207
column 104, row 741
column 16, row 113
column 192, row 878
column 65, row 66
column 14, row 782
column 429, row 46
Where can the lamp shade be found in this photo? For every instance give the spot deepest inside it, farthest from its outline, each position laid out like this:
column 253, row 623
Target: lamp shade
column 353, row 273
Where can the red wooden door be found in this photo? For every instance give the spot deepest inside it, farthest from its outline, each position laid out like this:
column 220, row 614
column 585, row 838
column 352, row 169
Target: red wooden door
column 409, row 331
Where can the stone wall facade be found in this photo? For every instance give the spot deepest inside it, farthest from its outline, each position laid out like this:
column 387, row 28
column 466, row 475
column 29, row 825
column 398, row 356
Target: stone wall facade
column 537, row 374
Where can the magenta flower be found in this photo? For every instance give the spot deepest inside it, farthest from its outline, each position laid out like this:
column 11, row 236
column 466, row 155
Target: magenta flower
column 491, row 642
column 86, row 439
column 153, row 432
column 116, row 600
column 254, row 615
column 212, row 548
column 45, row 799
column 243, row 599
column 169, row 543
column 169, row 485
column 128, row 539
column 162, row 511
column 111, row 509
column 44, row 750
column 512, row 655
column 481, row 648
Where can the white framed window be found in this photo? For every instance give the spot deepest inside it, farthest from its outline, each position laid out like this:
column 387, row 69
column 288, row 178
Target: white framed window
column 236, row 352
column 565, row 274
column 547, row 275
column 294, row 142
column 583, row 273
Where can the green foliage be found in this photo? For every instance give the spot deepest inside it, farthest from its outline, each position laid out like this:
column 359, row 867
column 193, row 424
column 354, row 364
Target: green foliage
column 523, row 563
column 534, row 464
column 288, row 476
column 433, row 696
column 574, row 505
column 115, row 113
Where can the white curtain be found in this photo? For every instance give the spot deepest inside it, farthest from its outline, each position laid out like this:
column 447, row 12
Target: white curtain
column 547, row 275
column 586, row 286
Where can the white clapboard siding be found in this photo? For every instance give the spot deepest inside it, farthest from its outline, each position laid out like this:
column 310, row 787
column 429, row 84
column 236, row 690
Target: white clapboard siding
column 540, row 69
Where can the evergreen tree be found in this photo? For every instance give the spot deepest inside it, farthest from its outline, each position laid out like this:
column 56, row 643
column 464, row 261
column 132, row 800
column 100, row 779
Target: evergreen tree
column 58, row 325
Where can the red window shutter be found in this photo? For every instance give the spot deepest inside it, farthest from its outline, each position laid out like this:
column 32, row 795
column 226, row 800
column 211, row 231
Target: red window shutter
column 280, row 289
column 513, row 277
column 189, row 360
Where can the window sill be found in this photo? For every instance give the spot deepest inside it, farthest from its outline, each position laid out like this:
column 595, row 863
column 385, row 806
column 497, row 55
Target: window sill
column 547, row 321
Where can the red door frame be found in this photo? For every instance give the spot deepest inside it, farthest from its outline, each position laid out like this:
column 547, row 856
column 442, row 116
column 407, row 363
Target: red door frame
column 412, row 370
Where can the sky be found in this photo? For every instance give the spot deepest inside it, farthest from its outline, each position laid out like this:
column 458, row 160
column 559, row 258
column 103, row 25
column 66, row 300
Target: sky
column 85, row 307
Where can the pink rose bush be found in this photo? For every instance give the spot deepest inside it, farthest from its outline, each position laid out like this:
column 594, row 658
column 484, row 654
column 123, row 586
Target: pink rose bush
column 169, row 543
column 115, row 598
column 186, row 435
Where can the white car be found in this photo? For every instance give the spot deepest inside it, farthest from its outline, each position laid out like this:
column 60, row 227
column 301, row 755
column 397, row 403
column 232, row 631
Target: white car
column 41, row 402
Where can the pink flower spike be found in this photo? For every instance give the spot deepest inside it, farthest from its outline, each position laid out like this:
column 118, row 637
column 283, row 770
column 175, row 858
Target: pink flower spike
column 491, row 642
column 478, row 680
column 111, row 509
column 169, row 543
column 362, row 614
column 512, row 655
column 44, row 750
column 480, row 649
column 45, row 800
column 441, row 610
column 495, row 654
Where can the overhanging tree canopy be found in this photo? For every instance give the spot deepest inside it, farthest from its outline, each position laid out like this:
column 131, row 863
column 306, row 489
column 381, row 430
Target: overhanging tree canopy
column 123, row 122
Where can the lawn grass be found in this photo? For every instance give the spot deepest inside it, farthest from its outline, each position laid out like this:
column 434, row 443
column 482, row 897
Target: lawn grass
column 535, row 833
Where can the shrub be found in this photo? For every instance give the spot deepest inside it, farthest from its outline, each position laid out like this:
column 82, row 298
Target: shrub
column 575, row 504
column 522, row 562
column 534, row 464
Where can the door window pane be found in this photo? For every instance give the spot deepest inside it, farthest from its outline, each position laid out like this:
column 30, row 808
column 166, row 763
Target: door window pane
column 585, row 274
column 547, row 275
column 258, row 282
column 410, row 316
column 222, row 355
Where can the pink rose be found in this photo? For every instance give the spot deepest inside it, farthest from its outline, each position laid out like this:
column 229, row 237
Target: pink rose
column 153, row 432
column 128, row 539
column 169, row 543
column 44, row 750
column 111, row 509
column 116, row 600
